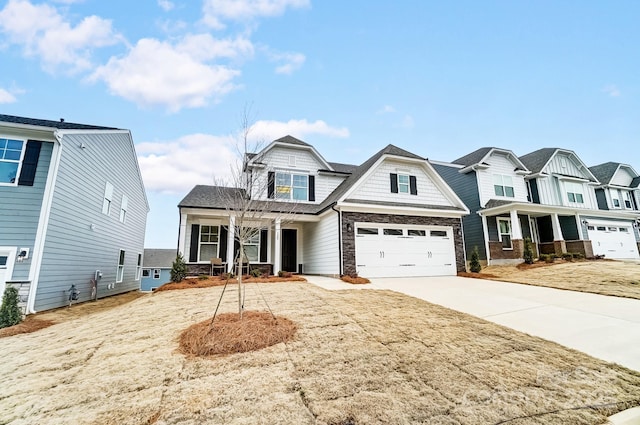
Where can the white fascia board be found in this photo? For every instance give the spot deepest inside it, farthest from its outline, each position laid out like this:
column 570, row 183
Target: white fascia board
column 205, row 213
column 553, row 209
column 382, row 209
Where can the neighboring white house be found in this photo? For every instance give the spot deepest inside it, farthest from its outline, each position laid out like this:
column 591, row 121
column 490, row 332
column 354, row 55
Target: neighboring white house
column 391, row 216
column 72, row 208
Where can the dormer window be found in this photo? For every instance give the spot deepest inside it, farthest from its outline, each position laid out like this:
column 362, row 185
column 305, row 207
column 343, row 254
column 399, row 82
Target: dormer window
column 503, row 185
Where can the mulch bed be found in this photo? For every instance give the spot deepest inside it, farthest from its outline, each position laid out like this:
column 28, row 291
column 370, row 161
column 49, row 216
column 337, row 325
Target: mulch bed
column 477, row 275
column 228, row 334
column 30, row 324
column 357, row 280
column 212, row 281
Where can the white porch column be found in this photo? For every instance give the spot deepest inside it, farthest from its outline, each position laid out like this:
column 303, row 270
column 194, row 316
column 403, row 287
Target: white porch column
column 183, row 233
column 516, row 229
column 231, row 236
column 485, row 231
column 277, row 262
column 557, row 230
column 579, row 224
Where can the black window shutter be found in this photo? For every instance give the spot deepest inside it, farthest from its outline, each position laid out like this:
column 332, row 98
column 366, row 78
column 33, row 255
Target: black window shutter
column 271, row 184
column 263, row 245
column 413, row 185
column 312, row 188
column 222, row 243
column 195, row 239
column 394, row 183
column 30, row 163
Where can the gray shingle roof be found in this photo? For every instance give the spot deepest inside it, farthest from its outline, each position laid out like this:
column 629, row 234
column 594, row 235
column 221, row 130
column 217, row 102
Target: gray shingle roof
column 473, row 158
column 158, row 258
column 292, row 141
column 62, row 125
column 343, row 168
column 604, row 172
column 635, row 182
column 214, row 197
column 536, row 160
column 492, row 203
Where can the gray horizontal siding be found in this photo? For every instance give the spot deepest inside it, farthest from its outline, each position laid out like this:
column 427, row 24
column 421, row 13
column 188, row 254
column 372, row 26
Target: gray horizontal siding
column 73, row 251
column 466, row 187
column 20, row 212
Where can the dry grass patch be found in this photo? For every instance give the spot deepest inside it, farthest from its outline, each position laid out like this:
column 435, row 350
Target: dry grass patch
column 229, row 334
column 358, row 357
column 616, row 278
column 211, row 281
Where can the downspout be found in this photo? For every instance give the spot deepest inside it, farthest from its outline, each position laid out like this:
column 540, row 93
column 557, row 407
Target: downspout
column 333, row 207
column 43, row 223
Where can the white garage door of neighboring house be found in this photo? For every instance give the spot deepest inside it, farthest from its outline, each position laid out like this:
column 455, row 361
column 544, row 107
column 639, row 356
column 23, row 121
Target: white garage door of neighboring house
column 613, row 239
column 404, row 251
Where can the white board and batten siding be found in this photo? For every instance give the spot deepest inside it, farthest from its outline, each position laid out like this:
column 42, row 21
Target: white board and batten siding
column 80, row 238
column 377, row 186
column 321, row 246
column 500, row 164
column 552, row 190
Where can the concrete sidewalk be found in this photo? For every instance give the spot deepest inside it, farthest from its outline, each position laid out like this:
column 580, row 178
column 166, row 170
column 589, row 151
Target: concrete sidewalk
column 604, row 327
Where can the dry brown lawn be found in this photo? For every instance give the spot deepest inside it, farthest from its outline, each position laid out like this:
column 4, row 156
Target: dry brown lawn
column 209, row 281
column 358, row 357
column 617, row 278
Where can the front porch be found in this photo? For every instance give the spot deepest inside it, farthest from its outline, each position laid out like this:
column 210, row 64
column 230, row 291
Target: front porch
column 549, row 233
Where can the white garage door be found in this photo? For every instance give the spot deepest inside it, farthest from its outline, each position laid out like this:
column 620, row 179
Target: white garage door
column 404, row 251
column 613, row 239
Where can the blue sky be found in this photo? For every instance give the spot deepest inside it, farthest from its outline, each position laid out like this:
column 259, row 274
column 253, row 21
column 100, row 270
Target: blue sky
column 439, row 79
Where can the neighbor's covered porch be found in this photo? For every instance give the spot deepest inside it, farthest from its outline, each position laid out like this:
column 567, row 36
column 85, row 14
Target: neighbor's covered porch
column 551, row 230
column 210, row 243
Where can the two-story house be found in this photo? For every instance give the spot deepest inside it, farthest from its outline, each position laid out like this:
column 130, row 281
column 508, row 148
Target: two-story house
column 72, row 209
column 548, row 195
column 393, row 215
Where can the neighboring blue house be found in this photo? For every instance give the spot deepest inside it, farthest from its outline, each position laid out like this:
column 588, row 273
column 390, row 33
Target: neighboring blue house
column 72, row 209
column 549, row 196
column 156, row 268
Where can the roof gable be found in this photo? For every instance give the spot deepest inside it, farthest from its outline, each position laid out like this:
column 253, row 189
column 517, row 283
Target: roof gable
column 256, row 159
column 615, row 173
column 547, row 160
column 480, row 158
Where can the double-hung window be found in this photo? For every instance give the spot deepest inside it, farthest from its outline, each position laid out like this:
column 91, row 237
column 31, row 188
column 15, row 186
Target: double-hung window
column 574, row 193
column 209, row 237
column 120, row 273
column 123, row 208
column 403, row 183
column 503, row 185
column 627, row 200
column 139, row 267
column 107, row 199
column 10, row 156
column 252, row 246
column 292, row 186
column 504, row 232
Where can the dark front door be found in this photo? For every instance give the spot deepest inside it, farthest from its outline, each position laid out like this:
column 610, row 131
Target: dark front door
column 289, row 248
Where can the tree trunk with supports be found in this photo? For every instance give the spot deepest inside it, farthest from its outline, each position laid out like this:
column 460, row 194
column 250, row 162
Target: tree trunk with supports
column 245, row 195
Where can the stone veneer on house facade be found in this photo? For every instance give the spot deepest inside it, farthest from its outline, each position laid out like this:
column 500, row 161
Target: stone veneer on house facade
column 349, row 242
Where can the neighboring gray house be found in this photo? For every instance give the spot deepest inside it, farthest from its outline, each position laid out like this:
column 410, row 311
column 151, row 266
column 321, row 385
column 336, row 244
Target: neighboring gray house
column 391, row 216
column 548, row 196
column 156, row 268
column 73, row 208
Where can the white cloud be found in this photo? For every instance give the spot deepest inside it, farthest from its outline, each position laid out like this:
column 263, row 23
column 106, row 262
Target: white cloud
column 6, row 96
column 217, row 11
column 407, row 122
column 386, row 109
column 158, row 73
column 204, row 47
column 166, row 5
column 290, row 62
column 271, row 130
column 45, row 34
column 612, row 90
column 176, row 166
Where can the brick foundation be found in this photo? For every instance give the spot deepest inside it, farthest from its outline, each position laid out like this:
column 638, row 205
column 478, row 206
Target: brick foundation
column 349, row 242
column 498, row 253
column 196, row 269
column 583, row 247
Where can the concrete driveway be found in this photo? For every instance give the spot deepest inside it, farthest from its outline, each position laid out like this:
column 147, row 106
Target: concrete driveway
column 602, row 326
